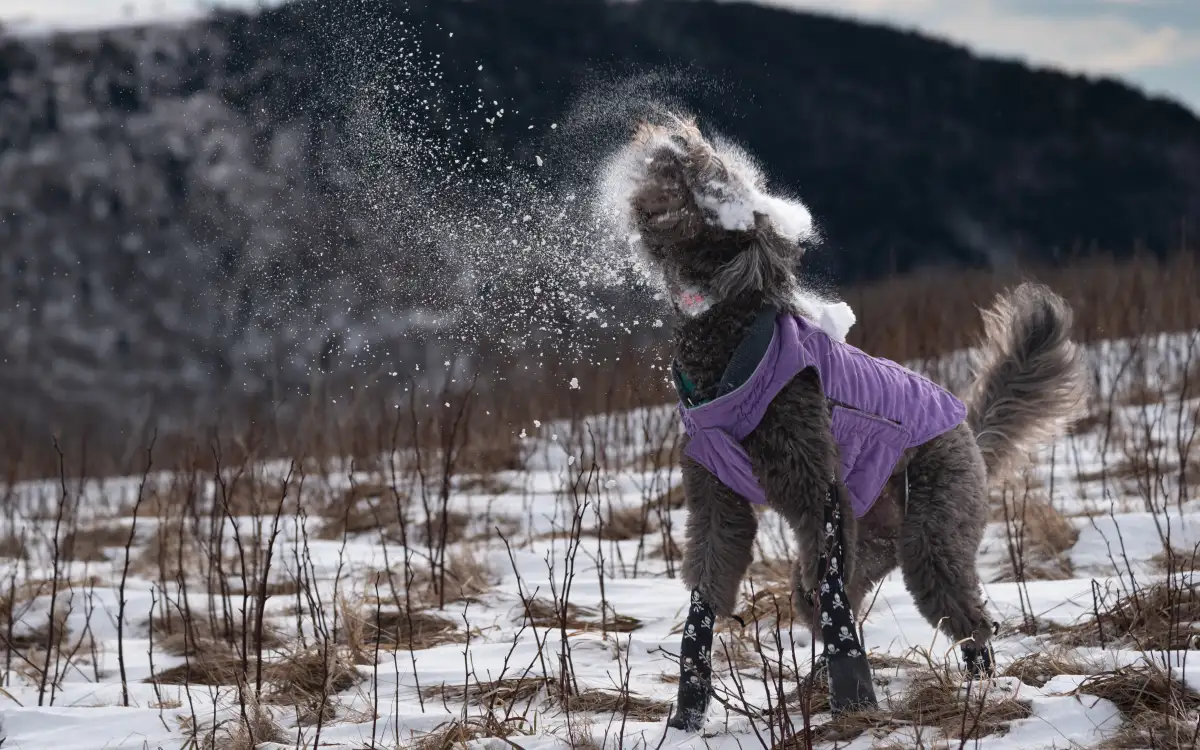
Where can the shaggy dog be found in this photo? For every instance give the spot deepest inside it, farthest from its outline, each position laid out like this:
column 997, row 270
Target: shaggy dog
column 725, row 250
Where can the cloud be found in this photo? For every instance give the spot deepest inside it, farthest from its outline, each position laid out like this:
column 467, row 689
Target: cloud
column 1104, row 38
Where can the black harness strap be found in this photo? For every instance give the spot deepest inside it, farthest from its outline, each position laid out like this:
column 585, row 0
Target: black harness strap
column 742, row 364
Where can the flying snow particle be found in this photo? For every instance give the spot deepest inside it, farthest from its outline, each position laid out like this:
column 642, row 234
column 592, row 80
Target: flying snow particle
column 537, row 423
column 574, row 384
column 538, row 159
column 522, row 435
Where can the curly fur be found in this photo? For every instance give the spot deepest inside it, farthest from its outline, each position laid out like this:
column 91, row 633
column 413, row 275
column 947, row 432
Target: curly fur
column 1029, row 377
column 1029, row 383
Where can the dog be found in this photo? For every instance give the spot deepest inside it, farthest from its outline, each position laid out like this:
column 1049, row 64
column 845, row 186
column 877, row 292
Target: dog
column 726, row 253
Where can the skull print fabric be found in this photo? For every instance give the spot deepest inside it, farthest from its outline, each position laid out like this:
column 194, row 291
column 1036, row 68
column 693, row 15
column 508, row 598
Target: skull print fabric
column 838, row 629
column 695, row 665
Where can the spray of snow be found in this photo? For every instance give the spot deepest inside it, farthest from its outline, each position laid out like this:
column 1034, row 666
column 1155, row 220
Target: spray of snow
column 522, row 251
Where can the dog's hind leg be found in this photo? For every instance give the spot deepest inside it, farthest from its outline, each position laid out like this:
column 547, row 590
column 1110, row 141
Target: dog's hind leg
column 940, row 538
column 720, row 538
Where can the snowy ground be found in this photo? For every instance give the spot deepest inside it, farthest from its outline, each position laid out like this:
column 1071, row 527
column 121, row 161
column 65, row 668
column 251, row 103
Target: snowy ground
column 586, row 521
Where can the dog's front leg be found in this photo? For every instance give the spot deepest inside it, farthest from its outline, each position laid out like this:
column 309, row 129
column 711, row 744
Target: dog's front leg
column 719, row 546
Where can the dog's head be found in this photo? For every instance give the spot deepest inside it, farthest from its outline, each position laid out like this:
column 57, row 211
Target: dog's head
column 703, row 220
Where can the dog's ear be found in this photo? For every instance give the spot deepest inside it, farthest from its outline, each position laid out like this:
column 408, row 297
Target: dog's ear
column 764, row 265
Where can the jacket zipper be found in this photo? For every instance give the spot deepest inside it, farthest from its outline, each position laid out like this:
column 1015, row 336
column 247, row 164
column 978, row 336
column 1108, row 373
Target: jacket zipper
column 848, row 407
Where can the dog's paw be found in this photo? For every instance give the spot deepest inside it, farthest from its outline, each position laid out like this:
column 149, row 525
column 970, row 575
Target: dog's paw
column 980, row 660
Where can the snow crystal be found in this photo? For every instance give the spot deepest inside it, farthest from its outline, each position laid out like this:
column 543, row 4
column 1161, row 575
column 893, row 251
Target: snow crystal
column 574, row 384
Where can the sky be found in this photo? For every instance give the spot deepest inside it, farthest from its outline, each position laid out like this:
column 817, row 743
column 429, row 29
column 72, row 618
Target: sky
column 1153, row 44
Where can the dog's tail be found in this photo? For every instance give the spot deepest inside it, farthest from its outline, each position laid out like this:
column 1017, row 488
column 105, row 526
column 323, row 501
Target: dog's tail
column 1030, row 378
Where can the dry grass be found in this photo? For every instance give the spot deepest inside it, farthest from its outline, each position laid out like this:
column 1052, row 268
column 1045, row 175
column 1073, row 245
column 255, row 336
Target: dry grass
column 1040, row 535
column 628, row 523
column 542, row 613
column 1160, row 712
column 448, row 528
column 1139, row 464
column 489, row 455
column 935, row 700
column 215, row 665
column 13, row 547
column 460, row 733
column 767, row 594
column 1155, row 617
column 308, row 677
column 361, row 509
column 506, row 693
column 672, row 499
column 467, row 577
column 200, row 634
column 933, row 703
column 1039, row 668
column 630, row 705
column 413, row 631
column 483, row 484
column 171, row 551
column 1177, row 560
column 666, row 548
column 257, row 728
column 93, row 544
column 515, row 692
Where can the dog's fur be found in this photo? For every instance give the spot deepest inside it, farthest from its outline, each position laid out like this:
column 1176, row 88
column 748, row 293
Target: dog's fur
column 1029, row 382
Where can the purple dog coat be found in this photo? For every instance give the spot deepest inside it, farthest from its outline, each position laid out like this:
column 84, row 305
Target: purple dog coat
column 880, row 410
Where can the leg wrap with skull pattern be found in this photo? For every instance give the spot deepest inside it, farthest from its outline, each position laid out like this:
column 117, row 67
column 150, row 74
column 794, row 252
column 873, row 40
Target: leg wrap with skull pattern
column 850, row 687
column 695, row 667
